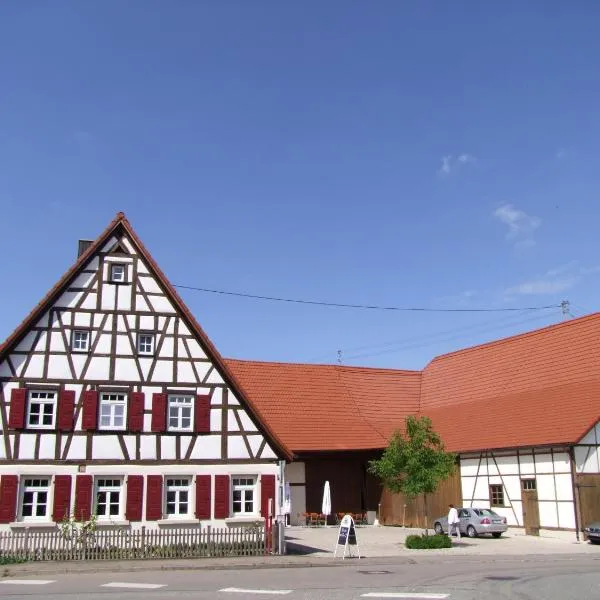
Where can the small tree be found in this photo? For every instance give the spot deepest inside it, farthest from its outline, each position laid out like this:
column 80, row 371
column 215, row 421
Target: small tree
column 414, row 462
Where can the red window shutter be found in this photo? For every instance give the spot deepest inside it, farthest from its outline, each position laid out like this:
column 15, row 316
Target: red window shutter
column 62, row 497
column 135, row 491
column 84, row 485
column 203, row 496
column 90, row 410
column 18, row 399
column 267, row 490
column 136, row 412
column 159, row 412
column 9, row 485
column 202, row 414
column 66, row 408
column 221, row 496
column 154, row 498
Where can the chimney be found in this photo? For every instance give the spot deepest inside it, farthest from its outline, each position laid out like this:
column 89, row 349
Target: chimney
column 83, row 246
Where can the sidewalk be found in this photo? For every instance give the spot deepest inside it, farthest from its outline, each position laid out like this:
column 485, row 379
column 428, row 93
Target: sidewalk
column 313, row 547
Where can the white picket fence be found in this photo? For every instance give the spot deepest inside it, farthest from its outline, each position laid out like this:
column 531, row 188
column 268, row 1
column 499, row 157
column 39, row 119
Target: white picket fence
column 123, row 544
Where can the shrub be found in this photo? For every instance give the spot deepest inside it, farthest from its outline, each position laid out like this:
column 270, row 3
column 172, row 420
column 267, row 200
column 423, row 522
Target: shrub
column 11, row 560
column 428, row 542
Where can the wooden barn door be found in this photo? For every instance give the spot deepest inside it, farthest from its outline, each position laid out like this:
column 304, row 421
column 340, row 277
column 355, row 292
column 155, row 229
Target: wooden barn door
column 531, row 510
column 589, row 498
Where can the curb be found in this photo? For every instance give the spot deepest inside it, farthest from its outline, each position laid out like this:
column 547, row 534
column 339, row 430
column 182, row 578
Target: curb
column 76, row 568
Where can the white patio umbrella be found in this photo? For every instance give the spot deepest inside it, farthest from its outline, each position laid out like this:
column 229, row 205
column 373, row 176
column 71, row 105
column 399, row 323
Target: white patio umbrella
column 326, row 505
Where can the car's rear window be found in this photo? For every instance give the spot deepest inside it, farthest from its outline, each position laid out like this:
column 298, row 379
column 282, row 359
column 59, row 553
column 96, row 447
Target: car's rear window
column 485, row 512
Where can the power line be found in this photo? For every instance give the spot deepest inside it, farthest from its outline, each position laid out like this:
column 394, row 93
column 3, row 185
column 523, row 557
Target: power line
column 416, row 346
column 366, row 306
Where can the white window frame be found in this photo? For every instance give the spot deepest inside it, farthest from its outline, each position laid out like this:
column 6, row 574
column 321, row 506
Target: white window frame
column 76, row 345
column 32, row 399
column 110, row 399
column 245, row 484
column 27, row 486
column 178, row 485
column 105, row 484
column 180, row 402
column 141, row 347
column 112, row 272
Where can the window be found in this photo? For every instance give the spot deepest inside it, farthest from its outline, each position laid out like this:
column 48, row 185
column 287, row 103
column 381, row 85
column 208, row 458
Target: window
column 118, row 273
column 178, row 497
column 145, row 343
column 496, row 495
column 180, row 413
column 81, row 341
column 244, row 491
column 112, row 411
column 34, row 499
column 108, row 498
column 529, row 484
column 41, row 411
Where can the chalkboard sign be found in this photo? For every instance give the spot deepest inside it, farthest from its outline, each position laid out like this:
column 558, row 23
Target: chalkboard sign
column 347, row 536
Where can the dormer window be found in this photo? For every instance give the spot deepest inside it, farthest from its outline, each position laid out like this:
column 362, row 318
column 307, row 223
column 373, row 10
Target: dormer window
column 118, row 273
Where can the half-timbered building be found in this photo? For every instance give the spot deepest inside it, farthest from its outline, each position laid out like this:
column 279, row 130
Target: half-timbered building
column 114, row 403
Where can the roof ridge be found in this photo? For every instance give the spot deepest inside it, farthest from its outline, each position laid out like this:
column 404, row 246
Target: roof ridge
column 518, row 336
column 323, row 365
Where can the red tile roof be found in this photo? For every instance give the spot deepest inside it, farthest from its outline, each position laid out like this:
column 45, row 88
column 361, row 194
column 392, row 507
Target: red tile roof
column 541, row 387
column 329, row 407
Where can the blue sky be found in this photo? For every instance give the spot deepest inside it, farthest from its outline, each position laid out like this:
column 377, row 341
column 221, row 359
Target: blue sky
column 422, row 153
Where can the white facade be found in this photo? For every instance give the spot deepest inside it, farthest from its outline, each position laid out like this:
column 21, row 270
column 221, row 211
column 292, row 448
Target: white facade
column 116, row 330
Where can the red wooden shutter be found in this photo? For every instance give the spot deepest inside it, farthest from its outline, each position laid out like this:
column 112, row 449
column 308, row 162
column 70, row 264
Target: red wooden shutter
column 203, row 496
column 154, row 498
column 84, row 485
column 9, row 485
column 62, row 497
column 202, row 414
column 16, row 418
column 136, row 412
column 267, row 490
column 159, row 412
column 221, row 496
column 66, row 408
column 90, row 410
column 135, row 491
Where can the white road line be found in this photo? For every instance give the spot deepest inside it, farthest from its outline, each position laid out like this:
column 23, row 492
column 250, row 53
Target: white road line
column 407, row 595
column 139, row 586
column 245, row 591
column 26, row 581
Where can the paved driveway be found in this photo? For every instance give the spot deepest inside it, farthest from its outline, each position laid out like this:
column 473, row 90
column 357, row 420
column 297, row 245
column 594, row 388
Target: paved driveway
column 389, row 541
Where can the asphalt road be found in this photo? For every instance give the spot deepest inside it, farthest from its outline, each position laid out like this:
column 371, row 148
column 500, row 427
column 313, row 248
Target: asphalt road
column 456, row 578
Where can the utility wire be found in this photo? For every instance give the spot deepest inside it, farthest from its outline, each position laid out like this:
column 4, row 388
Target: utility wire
column 416, row 346
column 366, row 306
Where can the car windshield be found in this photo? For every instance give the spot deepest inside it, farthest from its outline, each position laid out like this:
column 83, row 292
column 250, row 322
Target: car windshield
column 485, row 512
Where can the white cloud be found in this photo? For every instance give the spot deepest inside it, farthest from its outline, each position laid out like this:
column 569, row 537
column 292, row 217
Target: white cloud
column 561, row 153
column 450, row 164
column 521, row 226
column 554, row 281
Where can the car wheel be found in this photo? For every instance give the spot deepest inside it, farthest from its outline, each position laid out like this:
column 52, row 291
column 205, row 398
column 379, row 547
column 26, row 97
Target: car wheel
column 438, row 528
column 497, row 534
column 471, row 531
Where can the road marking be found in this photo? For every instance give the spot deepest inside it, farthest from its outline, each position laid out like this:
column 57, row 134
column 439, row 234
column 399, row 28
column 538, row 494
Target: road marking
column 27, row 581
column 139, row 586
column 408, row 595
column 245, row 591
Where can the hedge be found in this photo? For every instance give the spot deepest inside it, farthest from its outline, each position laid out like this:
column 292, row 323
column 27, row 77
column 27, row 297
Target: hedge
column 428, row 542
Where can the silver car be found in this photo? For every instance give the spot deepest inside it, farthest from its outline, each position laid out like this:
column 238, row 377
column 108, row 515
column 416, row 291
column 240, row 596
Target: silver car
column 474, row 522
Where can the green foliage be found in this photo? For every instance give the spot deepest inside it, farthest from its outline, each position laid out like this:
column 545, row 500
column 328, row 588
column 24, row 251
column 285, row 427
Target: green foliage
column 428, row 542
column 414, row 462
column 11, row 560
